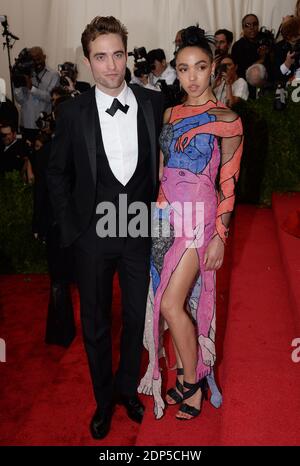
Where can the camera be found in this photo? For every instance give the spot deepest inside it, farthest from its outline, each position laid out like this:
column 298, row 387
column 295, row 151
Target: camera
column 45, row 122
column 222, row 68
column 24, row 67
column 69, row 70
column 265, row 38
column 141, row 64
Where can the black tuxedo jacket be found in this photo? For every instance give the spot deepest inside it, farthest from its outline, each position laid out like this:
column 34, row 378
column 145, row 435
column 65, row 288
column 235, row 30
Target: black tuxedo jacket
column 72, row 170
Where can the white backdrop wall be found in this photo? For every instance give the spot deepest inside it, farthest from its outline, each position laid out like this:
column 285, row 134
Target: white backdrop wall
column 56, row 25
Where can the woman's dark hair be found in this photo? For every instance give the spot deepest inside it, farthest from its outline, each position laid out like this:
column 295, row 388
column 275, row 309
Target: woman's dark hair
column 228, row 55
column 193, row 36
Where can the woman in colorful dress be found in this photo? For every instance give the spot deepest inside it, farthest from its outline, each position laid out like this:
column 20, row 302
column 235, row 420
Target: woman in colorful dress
column 201, row 144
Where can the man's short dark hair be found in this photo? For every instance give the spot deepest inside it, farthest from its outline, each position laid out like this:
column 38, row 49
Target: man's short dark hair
column 9, row 124
column 99, row 26
column 247, row 16
column 156, row 54
column 226, row 33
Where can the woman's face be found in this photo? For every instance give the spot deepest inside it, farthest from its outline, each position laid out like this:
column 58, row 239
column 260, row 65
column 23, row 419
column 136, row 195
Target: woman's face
column 194, row 68
column 231, row 67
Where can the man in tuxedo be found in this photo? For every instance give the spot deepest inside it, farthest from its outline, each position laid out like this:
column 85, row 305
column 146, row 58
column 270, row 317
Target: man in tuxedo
column 105, row 145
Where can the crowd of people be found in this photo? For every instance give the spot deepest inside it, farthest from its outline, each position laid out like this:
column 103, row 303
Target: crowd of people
column 168, row 135
column 248, row 68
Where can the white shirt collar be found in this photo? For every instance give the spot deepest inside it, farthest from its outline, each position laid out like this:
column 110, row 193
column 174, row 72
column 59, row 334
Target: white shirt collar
column 104, row 101
column 11, row 144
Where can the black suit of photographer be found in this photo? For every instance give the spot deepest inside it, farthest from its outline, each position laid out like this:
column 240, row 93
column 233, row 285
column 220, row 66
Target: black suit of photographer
column 280, row 52
column 245, row 53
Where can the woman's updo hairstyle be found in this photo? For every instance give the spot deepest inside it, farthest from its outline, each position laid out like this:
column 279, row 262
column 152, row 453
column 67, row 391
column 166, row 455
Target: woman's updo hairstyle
column 193, row 36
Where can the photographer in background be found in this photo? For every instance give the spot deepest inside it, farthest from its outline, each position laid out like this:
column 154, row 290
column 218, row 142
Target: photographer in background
column 223, row 41
column 228, row 87
column 33, row 82
column 163, row 77
column 45, row 124
column 142, row 69
column 287, row 51
column 160, row 70
column 68, row 79
column 254, row 47
column 257, row 76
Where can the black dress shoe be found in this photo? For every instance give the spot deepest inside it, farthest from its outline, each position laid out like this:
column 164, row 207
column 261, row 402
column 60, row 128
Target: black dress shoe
column 100, row 423
column 135, row 409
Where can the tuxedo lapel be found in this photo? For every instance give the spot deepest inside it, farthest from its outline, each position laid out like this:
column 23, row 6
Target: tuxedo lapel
column 88, row 120
column 147, row 109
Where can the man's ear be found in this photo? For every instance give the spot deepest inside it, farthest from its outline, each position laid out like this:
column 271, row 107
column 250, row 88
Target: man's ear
column 213, row 69
column 86, row 61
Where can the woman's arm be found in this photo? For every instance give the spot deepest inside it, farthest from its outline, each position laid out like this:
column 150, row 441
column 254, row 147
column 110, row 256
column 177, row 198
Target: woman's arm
column 231, row 152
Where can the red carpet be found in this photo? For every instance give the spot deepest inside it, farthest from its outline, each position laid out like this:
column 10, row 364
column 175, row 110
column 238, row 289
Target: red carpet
column 45, row 391
column 261, row 383
column 283, row 206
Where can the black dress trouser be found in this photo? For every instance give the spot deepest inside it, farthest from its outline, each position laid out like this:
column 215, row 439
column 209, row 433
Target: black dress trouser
column 97, row 260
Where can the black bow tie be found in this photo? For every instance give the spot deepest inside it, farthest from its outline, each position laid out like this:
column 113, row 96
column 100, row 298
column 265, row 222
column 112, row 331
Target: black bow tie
column 115, row 106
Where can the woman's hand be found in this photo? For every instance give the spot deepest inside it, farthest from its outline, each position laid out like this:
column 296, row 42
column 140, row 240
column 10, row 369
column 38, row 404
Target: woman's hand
column 214, row 254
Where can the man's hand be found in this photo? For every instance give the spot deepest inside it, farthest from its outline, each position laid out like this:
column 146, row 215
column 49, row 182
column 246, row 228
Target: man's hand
column 290, row 60
column 214, row 254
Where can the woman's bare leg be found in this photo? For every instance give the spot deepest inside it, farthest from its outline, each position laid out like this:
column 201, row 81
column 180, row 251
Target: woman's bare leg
column 181, row 327
column 169, row 399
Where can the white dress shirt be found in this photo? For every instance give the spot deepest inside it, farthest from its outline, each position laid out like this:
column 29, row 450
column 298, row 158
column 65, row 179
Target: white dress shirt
column 239, row 89
column 119, row 133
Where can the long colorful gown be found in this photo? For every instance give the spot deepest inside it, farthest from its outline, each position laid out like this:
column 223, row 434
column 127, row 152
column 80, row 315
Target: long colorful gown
column 202, row 148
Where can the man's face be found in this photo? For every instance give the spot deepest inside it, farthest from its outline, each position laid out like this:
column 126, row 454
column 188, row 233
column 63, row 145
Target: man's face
column 7, row 135
column 222, row 46
column 158, row 67
column 107, row 62
column 293, row 39
column 39, row 60
column 250, row 27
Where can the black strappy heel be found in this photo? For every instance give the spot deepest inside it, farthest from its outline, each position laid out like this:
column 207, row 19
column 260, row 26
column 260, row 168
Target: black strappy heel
column 173, row 393
column 192, row 389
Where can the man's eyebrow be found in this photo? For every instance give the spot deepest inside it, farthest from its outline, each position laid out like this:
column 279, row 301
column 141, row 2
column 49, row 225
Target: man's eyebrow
column 104, row 53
